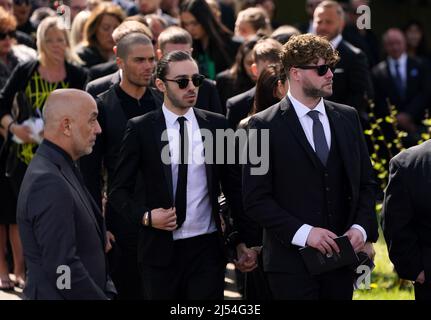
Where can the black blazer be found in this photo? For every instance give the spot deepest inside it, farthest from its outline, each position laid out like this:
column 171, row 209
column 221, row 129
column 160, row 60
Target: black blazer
column 208, row 98
column 280, row 200
column 100, row 85
column 406, row 212
column 352, row 79
column 112, row 120
column 140, row 153
column 239, row 107
column 418, row 91
column 59, row 224
column 102, row 69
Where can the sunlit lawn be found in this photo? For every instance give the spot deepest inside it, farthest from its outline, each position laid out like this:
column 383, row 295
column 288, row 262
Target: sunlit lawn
column 385, row 284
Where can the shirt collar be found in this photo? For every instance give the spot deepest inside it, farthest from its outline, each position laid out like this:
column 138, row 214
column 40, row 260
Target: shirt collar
column 60, row 150
column 302, row 110
column 401, row 60
column 336, row 41
column 171, row 118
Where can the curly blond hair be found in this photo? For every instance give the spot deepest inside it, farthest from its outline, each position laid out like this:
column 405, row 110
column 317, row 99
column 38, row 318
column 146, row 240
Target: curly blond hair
column 306, row 49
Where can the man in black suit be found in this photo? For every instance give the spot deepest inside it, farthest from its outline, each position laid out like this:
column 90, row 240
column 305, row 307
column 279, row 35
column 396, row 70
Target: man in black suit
column 319, row 184
column 265, row 52
column 132, row 97
column 406, row 217
column 404, row 80
column 176, row 38
column 62, row 230
column 352, row 78
column 180, row 241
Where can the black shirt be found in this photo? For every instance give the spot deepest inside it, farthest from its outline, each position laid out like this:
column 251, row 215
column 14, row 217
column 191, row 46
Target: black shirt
column 133, row 107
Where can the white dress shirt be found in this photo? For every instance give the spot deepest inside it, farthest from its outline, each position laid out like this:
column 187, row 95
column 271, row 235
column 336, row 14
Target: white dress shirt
column 300, row 237
column 336, row 41
column 199, row 218
column 402, row 67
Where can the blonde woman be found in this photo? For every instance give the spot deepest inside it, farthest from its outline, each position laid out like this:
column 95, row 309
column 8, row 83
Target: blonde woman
column 30, row 85
column 77, row 29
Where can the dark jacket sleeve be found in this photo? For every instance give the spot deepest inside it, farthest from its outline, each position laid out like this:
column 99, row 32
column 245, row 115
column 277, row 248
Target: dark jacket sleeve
column 398, row 227
column 54, row 229
column 123, row 183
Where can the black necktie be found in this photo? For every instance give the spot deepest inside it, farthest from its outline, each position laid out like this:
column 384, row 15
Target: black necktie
column 181, row 192
column 320, row 143
column 399, row 80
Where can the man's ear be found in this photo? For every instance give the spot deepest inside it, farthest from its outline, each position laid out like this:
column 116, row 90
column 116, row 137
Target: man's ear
column 159, row 54
column 254, row 69
column 160, row 85
column 66, row 126
column 115, row 50
column 119, row 62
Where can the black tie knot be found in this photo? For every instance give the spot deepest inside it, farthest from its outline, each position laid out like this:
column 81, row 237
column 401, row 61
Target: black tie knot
column 181, row 120
column 314, row 114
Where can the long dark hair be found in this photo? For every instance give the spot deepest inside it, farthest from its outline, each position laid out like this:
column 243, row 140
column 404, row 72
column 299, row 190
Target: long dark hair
column 239, row 75
column 217, row 33
column 266, row 87
column 422, row 49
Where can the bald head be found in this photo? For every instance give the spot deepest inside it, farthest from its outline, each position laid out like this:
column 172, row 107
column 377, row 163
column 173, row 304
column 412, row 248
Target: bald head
column 70, row 117
column 394, row 43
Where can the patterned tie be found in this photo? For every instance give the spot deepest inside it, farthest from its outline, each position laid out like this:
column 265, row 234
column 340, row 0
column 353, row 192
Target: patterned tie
column 181, row 192
column 320, row 143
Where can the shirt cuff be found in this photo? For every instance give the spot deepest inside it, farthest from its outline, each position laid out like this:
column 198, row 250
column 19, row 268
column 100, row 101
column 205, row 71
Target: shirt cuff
column 364, row 233
column 300, row 238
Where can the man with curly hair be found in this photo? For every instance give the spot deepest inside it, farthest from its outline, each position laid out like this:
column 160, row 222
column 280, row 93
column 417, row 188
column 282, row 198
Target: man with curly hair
column 319, row 184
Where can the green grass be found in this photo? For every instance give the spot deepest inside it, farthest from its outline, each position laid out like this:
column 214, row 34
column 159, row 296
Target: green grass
column 385, row 284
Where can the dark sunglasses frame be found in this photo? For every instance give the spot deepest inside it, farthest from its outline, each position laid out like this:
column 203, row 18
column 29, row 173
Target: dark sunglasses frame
column 183, row 83
column 11, row 34
column 321, row 70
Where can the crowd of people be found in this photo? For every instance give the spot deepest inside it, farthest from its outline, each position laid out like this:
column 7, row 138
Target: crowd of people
column 83, row 106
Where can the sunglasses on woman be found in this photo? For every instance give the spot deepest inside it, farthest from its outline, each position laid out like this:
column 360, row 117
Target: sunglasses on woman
column 11, row 34
column 321, row 70
column 197, row 80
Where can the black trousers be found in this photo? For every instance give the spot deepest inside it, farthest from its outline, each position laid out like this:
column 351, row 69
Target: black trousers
column 334, row 285
column 423, row 291
column 196, row 272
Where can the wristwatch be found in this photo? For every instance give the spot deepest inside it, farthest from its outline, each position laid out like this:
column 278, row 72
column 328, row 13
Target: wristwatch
column 147, row 219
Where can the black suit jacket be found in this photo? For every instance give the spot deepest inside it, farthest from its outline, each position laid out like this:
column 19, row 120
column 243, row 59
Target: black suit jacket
column 280, row 200
column 352, row 79
column 140, row 153
column 112, row 120
column 406, row 212
column 98, row 86
column 239, row 107
column 60, row 225
column 102, row 69
column 208, row 98
column 418, row 91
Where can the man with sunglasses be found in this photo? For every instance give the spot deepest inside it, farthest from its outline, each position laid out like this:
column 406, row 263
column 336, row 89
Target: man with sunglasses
column 320, row 183
column 180, row 251
column 131, row 97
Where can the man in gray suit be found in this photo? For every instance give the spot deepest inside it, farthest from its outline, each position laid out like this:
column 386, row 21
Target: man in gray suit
column 62, row 230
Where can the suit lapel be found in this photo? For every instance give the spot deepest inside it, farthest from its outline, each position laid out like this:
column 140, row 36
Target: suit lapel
column 205, row 124
column 290, row 116
column 70, row 176
column 342, row 136
column 159, row 128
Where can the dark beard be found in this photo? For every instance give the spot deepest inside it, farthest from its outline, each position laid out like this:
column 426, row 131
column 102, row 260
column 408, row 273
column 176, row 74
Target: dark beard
column 177, row 102
column 313, row 92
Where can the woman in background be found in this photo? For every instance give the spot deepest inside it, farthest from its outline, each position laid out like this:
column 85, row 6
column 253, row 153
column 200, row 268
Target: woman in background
column 213, row 45
column 98, row 43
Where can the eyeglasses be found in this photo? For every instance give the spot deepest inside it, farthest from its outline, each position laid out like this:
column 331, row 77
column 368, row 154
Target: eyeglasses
column 321, row 70
column 11, row 34
column 183, row 83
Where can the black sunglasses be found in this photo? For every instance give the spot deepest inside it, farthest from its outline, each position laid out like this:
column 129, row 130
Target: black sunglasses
column 11, row 34
column 183, row 83
column 321, row 70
